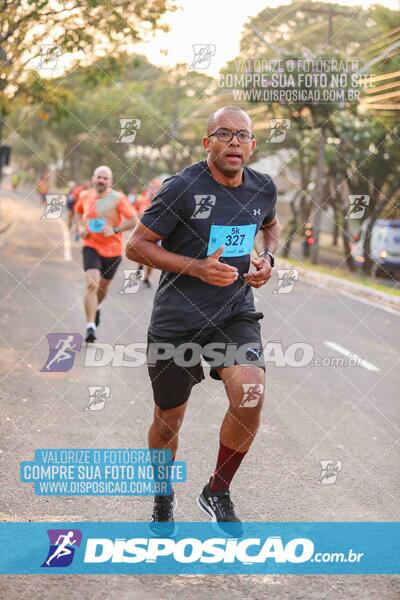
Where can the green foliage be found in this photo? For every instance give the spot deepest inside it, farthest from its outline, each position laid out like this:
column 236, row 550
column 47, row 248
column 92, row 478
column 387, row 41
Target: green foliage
column 361, row 148
column 82, row 28
column 85, row 131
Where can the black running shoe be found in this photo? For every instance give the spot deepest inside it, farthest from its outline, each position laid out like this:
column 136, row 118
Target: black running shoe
column 90, row 335
column 219, row 506
column 97, row 318
column 162, row 520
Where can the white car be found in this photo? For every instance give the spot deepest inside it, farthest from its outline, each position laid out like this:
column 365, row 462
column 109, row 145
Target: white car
column 385, row 244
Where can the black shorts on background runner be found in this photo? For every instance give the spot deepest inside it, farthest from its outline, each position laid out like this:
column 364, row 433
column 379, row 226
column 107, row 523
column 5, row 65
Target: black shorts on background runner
column 107, row 265
column 70, row 202
column 172, row 383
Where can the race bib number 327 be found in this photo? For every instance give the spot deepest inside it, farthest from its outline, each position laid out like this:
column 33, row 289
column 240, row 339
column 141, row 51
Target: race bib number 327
column 238, row 240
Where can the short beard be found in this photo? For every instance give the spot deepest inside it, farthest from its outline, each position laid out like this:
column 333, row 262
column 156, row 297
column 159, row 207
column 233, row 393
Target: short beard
column 100, row 187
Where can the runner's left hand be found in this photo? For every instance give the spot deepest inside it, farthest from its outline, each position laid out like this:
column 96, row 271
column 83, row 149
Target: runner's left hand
column 262, row 274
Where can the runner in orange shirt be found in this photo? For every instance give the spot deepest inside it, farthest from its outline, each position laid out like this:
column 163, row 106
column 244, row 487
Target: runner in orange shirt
column 43, row 186
column 100, row 211
column 72, row 198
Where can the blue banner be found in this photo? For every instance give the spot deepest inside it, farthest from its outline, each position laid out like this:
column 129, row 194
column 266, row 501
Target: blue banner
column 102, row 472
column 198, row 548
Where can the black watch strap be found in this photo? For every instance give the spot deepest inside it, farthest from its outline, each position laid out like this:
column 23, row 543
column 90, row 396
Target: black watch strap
column 271, row 256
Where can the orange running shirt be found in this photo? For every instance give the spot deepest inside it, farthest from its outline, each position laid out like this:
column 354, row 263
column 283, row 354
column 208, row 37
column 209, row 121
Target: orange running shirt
column 77, row 190
column 112, row 208
column 143, row 202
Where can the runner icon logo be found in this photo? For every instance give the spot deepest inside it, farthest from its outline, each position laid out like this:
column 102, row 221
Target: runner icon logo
column 54, row 206
column 278, row 129
column 329, row 471
column 204, row 204
column 203, row 54
column 286, row 280
column 62, row 547
column 129, row 128
column 97, row 397
column 357, row 206
column 132, row 281
column 49, row 55
column 62, row 349
column 252, row 395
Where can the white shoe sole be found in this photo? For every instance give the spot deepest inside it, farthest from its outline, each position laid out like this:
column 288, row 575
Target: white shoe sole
column 206, row 509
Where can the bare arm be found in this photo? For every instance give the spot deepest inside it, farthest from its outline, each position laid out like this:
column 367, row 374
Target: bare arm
column 142, row 247
column 124, row 226
column 129, row 223
column 82, row 230
column 267, row 237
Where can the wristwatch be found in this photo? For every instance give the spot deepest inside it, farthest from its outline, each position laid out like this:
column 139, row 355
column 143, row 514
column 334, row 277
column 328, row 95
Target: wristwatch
column 271, row 256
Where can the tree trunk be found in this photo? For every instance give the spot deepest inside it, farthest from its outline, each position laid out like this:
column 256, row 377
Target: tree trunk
column 318, row 196
column 332, row 192
column 374, row 213
column 344, row 225
column 292, row 227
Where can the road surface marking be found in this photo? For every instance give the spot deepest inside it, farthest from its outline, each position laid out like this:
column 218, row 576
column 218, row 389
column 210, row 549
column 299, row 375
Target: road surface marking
column 362, row 362
column 392, row 311
column 66, row 240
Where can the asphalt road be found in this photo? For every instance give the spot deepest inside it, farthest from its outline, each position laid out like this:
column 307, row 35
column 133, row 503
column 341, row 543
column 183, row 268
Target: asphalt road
column 312, row 413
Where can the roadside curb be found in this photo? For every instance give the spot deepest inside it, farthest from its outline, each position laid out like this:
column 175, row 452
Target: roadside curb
column 337, row 283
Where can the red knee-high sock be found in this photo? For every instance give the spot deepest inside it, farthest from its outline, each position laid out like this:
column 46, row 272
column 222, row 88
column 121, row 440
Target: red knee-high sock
column 228, row 463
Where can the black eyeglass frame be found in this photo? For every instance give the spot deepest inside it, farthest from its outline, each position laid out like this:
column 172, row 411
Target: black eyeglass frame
column 233, row 134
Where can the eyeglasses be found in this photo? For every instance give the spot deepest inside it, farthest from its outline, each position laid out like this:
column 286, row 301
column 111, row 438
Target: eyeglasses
column 226, row 135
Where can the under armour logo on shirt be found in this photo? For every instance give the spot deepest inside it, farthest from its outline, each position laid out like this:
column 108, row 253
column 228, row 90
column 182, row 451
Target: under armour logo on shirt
column 204, row 204
column 256, row 211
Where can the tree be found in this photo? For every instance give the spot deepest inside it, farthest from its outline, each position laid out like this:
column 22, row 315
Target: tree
column 86, row 134
column 309, row 29
column 39, row 30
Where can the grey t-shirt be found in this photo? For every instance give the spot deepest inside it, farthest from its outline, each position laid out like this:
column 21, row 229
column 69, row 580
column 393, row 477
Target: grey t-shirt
column 195, row 215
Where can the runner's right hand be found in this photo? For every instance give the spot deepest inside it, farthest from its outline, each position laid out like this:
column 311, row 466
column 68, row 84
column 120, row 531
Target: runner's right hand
column 211, row 271
column 83, row 232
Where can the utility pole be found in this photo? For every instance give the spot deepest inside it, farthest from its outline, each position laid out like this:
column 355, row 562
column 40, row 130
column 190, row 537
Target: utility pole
column 319, row 193
column 318, row 197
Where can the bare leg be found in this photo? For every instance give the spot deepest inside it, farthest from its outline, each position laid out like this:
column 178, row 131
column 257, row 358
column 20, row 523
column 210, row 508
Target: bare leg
column 102, row 289
column 92, row 277
column 164, row 430
column 70, row 219
column 241, row 421
column 147, row 272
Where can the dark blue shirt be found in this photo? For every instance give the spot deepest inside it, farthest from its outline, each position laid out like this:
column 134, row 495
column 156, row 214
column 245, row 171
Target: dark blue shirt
column 195, row 214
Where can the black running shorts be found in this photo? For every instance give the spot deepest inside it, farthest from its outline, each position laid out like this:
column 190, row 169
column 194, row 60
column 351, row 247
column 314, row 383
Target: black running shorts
column 107, row 265
column 173, row 377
